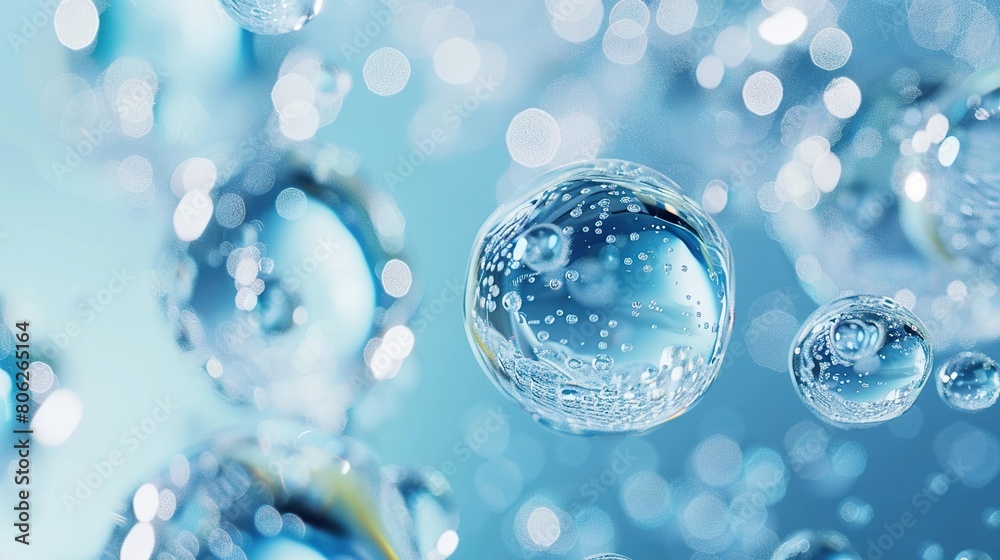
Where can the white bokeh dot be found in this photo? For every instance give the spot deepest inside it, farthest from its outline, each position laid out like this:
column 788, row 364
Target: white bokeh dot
column 533, row 138
column 386, row 71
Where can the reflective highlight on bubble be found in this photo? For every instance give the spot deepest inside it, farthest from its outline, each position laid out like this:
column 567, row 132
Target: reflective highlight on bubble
column 860, row 360
column 601, row 302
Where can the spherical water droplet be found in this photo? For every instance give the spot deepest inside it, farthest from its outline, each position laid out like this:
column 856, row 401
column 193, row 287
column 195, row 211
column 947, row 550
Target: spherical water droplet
column 271, row 313
column 970, row 381
column 272, row 17
column 279, row 495
column 860, row 360
column 613, row 390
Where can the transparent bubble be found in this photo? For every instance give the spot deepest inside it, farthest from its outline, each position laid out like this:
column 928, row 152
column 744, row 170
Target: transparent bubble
column 266, row 497
column 607, row 556
column 287, row 301
column 662, row 300
column 970, row 381
column 272, row 17
column 860, row 360
column 816, row 545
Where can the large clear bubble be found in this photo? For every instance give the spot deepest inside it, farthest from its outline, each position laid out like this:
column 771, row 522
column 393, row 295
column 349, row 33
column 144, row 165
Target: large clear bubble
column 293, row 295
column 602, row 301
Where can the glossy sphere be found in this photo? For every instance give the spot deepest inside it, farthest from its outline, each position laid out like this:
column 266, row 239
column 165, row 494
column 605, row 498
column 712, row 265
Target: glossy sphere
column 602, row 301
column 860, row 360
column 268, row 497
column 970, row 381
column 272, row 17
column 293, row 298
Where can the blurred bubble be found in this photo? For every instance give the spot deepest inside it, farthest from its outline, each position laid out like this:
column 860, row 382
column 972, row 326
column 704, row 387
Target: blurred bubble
column 293, row 275
column 541, row 526
column 842, row 98
column 968, row 454
column 830, row 48
column 76, row 23
column 270, row 497
column 457, row 61
column 645, row 498
column 762, row 93
column 931, row 551
column 386, row 71
column 533, row 138
column 784, row 27
column 676, row 17
column 991, row 517
column 855, row 512
column 718, row 461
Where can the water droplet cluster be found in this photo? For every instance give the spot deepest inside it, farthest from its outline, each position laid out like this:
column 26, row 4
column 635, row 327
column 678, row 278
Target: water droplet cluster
column 860, row 360
column 601, row 302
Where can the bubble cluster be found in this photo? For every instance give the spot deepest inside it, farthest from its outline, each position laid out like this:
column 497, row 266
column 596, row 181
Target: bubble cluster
column 601, row 302
column 860, row 360
column 277, row 496
column 272, row 17
column 969, row 381
column 292, row 296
